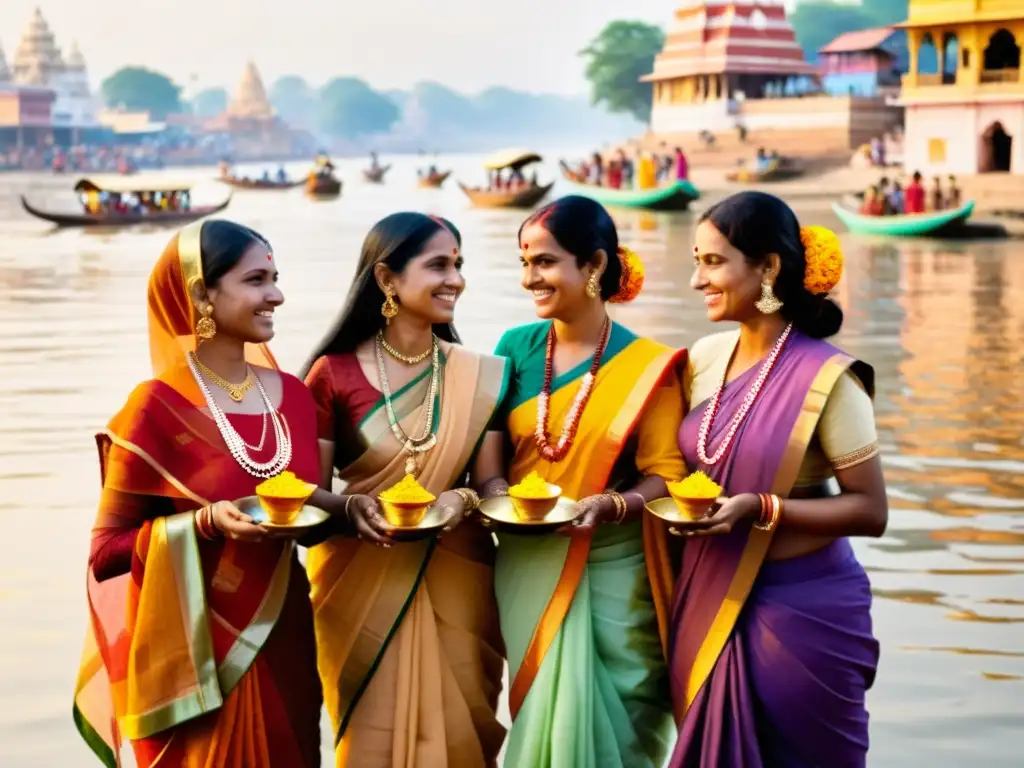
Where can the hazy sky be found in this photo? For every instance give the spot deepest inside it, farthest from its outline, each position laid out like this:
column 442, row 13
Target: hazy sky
column 466, row 44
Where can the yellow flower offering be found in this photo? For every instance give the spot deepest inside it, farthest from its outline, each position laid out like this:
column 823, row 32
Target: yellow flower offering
column 283, row 496
column 533, row 486
column 407, row 491
column 695, row 486
column 284, row 486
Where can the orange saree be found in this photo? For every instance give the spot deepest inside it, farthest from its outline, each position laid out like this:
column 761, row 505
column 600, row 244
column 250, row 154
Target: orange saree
column 201, row 653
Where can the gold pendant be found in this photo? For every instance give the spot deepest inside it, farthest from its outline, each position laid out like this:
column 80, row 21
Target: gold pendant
column 237, row 395
column 410, row 465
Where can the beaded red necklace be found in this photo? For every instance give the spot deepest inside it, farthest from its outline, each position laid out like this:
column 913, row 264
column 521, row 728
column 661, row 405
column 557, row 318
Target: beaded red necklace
column 557, row 452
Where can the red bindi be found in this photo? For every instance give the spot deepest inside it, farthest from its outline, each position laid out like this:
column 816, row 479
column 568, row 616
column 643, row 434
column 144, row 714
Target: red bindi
column 270, row 256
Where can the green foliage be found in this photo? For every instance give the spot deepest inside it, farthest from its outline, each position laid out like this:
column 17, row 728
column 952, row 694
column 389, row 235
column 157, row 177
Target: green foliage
column 820, row 22
column 616, row 59
column 210, row 103
column 293, row 99
column 349, row 108
column 140, row 89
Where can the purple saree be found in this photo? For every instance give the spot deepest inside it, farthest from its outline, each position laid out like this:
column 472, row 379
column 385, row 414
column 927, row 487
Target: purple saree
column 770, row 661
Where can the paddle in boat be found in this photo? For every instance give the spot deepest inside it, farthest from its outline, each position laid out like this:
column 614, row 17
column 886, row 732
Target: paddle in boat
column 115, row 201
column 904, row 225
column 675, row 196
column 515, row 191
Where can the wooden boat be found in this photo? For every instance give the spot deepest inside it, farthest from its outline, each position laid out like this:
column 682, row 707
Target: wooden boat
column 114, row 219
column 375, row 175
column 137, row 185
column 523, row 196
column 323, row 186
column 905, row 225
column 434, row 181
column 259, row 184
column 676, row 196
column 782, row 171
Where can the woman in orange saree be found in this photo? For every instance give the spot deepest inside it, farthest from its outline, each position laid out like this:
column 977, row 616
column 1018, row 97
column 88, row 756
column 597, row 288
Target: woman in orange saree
column 410, row 653
column 200, row 647
column 593, row 409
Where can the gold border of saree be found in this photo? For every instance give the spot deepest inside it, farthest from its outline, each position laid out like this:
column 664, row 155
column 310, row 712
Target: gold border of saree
column 756, row 548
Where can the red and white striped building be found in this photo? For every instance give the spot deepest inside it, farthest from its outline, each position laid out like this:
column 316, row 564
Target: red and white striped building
column 718, row 53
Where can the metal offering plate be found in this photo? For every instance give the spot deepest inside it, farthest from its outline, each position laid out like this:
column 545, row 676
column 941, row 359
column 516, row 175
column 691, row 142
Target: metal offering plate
column 669, row 511
column 307, row 517
column 433, row 521
column 499, row 513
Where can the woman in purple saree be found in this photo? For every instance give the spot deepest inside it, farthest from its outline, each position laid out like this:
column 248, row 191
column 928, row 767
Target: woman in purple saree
column 772, row 651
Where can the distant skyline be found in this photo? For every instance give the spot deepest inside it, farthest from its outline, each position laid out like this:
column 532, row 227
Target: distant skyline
column 468, row 45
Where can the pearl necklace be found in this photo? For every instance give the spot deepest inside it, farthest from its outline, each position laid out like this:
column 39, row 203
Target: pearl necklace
column 236, row 445
column 557, row 452
column 428, row 439
column 741, row 414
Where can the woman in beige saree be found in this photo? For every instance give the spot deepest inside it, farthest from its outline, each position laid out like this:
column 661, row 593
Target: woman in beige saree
column 410, row 652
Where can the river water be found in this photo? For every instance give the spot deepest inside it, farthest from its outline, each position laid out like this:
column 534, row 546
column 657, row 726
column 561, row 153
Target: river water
column 943, row 324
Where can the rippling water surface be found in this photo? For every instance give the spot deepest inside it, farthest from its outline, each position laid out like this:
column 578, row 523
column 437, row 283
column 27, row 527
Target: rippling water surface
column 943, row 324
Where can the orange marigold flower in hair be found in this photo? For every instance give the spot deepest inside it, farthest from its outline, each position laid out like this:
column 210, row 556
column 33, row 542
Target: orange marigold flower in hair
column 632, row 280
column 824, row 259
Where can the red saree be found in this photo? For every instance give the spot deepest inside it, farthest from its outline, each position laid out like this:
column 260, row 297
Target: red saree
column 200, row 653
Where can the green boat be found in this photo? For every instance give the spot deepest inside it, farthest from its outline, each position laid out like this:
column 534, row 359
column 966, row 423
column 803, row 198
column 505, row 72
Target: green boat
column 676, row 196
column 905, row 225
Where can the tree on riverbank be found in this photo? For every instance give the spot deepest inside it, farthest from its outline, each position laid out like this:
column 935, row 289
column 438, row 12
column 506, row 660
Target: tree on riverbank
column 138, row 89
column 349, row 108
column 617, row 58
column 818, row 23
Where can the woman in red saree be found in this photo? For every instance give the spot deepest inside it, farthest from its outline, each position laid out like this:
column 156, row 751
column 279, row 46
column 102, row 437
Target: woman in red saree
column 200, row 649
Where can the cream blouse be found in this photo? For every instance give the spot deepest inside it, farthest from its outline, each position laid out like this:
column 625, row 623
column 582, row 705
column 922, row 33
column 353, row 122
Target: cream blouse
column 845, row 435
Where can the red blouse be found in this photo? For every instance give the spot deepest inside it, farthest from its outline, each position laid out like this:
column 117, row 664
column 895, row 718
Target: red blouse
column 111, row 551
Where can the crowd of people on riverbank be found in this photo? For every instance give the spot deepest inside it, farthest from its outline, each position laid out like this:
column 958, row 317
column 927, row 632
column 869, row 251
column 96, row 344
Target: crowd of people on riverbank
column 640, row 170
column 895, row 198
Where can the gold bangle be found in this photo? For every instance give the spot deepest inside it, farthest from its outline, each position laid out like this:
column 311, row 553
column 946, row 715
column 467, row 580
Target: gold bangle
column 348, row 512
column 470, row 499
column 621, row 507
column 776, row 503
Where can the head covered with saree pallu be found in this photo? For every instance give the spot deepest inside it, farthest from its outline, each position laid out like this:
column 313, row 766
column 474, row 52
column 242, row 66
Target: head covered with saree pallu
column 409, row 649
column 581, row 614
column 735, row 653
column 149, row 673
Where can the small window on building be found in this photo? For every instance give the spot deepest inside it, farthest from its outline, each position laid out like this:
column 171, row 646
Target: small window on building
column 937, row 151
column 965, row 57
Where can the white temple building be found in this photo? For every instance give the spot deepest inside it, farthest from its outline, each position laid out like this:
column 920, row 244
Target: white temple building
column 38, row 63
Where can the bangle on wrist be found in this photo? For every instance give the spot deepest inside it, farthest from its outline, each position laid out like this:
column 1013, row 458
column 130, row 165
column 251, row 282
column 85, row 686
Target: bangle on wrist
column 470, row 499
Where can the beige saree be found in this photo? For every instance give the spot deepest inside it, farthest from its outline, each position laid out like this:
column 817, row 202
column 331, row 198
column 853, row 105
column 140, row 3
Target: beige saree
column 410, row 652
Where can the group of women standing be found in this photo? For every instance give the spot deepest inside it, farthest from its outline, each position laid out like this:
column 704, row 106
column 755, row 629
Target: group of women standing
column 744, row 640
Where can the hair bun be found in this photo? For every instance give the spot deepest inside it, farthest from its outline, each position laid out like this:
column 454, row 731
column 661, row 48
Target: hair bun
column 824, row 257
column 632, row 280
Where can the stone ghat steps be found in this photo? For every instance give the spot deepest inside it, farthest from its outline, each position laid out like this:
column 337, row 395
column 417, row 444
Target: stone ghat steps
column 820, row 147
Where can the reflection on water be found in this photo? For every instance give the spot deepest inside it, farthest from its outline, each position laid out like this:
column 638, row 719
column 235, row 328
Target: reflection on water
column 943, row 324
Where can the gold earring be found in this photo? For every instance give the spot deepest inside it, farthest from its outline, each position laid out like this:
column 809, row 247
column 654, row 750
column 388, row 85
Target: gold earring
column 390, row 307
column 593, row 287
column 769, row 303
column 206, row 329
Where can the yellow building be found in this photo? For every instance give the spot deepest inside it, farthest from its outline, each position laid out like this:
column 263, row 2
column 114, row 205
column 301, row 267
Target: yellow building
column 964, row 93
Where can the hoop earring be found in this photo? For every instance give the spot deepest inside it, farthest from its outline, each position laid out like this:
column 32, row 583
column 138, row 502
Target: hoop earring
column 390, row 307
column 769, row 303
column 593, row 287
column 206, row 328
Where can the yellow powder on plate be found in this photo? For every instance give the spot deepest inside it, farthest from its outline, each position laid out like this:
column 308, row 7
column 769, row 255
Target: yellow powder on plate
column 284, row 486
column 696, row 486
column 533, row 486
column 407, row 491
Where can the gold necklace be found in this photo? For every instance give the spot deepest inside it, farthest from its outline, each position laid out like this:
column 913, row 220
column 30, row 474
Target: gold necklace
column 236, row 392
column 407, row 359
